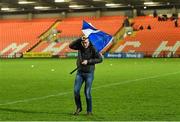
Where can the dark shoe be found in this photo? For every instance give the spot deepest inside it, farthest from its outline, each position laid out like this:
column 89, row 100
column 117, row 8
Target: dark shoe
column 89, row 114
column 78, row 110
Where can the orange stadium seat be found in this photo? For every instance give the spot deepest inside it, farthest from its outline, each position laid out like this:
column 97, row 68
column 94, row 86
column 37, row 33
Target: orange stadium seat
column 71, row 28
column 19, row 32
column 149, row 41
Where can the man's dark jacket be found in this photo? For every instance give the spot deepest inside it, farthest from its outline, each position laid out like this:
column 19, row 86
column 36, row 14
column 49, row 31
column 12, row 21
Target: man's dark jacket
column 90, row 54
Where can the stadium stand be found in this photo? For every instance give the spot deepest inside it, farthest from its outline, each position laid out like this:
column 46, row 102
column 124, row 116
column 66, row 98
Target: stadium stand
column 72, row 26
column 18, row 36
column 55, row 48
column 153, row 22
column 163, row 40
column 71, row 29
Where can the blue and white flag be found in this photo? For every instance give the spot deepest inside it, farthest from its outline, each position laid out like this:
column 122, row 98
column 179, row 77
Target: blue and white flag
column 98, row 38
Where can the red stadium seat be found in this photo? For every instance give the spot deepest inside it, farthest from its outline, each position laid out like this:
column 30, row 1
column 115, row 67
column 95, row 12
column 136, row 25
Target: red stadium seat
column 19, row 32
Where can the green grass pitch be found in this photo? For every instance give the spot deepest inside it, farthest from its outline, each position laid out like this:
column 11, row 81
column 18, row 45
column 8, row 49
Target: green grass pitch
column 123, row 89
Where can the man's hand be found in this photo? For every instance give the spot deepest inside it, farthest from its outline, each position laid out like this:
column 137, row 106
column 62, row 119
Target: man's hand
column 84, row 62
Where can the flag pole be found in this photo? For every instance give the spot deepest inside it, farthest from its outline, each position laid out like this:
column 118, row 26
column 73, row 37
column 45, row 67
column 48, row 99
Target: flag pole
column 74, row 70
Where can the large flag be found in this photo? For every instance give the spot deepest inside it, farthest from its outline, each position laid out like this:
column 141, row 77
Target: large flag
column 98, row 38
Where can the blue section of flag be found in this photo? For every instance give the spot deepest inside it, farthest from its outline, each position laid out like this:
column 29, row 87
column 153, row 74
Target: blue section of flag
column 98, row 38
column 87, row 26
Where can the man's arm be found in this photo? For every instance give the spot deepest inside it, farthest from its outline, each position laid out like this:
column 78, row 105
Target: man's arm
column 75, row 45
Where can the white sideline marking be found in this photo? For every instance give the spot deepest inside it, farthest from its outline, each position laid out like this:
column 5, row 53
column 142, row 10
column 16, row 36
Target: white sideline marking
column 36, row 98
column 128, row 81
column 103, row 86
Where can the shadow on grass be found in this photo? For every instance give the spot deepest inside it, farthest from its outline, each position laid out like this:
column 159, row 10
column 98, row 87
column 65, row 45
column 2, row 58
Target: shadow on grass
column 81, row 116
column 33, row 112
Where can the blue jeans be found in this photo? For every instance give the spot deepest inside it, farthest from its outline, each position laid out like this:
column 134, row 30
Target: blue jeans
column 88, row 79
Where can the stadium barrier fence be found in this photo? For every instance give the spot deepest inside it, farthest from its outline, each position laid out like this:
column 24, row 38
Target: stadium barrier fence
column 143, row 54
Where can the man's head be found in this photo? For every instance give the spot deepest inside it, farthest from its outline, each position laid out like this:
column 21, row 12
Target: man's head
column 85, row 42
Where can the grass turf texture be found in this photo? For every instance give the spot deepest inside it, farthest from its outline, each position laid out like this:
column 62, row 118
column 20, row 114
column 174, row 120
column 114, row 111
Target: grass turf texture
column 123, row 89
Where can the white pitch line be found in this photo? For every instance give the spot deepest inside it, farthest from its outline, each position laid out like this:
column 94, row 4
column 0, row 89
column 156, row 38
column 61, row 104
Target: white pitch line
column 103, row 86
column 36, row 98
column 139, row 79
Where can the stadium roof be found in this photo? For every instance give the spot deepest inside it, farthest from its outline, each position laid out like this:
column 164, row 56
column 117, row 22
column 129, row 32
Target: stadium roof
column 15, row 6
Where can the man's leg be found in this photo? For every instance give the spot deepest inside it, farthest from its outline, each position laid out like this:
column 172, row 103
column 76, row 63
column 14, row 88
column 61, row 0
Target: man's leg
column 77, row 86
column 88, row 84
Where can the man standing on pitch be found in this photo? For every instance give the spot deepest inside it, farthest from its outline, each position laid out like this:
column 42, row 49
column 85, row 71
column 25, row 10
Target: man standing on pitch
column 87, row 58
